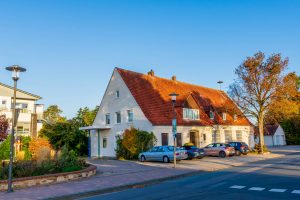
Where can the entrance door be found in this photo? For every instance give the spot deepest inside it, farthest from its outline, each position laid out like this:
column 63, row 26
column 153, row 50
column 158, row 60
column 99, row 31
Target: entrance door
column 194, row 138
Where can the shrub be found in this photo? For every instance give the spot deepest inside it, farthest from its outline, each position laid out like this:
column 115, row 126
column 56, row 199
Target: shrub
column 5, row 149
column 132, row 142
column 257, row 148
column 39, row 148
column 66, row 162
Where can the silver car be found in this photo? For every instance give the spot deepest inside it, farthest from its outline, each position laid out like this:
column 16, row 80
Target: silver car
column 162, row 153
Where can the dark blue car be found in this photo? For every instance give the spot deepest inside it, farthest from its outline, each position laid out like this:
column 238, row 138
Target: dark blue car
column 194, row 152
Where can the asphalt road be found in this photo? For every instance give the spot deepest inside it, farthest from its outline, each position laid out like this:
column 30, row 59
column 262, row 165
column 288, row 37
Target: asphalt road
column 270, row 179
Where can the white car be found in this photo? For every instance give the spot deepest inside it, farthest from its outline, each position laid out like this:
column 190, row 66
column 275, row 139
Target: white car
column 163, row 153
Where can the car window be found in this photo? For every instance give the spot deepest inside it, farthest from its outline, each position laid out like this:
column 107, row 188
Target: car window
column 226, row 145
column 232, row 144
column 217, row 145
column 160, row 149
column 154, row 149
column 209, row 146
column 170, row 148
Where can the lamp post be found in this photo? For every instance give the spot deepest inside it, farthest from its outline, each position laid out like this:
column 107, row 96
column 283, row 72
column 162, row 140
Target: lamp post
column 15, row 69
column 174, row 125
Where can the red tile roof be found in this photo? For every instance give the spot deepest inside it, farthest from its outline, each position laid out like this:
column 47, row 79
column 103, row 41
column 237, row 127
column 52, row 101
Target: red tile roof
column 269, row 130
column 152, row 95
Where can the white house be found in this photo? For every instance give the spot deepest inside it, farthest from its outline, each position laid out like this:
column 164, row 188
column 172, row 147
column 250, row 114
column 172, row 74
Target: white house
column 31, row 113
column 204, row 115
column 273, row 135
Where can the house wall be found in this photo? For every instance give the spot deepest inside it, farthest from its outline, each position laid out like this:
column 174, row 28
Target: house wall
column 269, row 140
column 110, row 104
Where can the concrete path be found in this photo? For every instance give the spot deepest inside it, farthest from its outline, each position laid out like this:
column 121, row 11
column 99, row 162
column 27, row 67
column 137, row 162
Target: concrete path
column 122, row 174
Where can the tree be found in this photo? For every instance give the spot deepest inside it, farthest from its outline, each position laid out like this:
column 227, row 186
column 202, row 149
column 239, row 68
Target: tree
column 53, row 114
column 3, row 127
column 287, row 107
column 85, row 116
column 259, row 80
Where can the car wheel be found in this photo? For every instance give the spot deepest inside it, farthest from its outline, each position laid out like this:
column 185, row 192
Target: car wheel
column 245, row 154
column 222, row 154
column 238, row 153
column 190, row 157
column 166, row 159
column 143, row 159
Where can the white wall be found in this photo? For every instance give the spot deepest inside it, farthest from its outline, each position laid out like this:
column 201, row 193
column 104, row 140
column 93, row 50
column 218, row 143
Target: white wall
column 112, row 105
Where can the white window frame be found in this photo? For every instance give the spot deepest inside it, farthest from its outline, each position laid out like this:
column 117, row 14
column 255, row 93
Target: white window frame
column 118, row 112
column 211, row 115
column 130, row 116
column 107, row 117
column 104, row 146
column 117, row 94
column 235, row 117
column 240, row 139
column 191, row 114
column 224, row 116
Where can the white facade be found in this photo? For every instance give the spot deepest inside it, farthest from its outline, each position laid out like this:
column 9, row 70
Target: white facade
column 30, row 116
column 278, row 139
column 118, row 99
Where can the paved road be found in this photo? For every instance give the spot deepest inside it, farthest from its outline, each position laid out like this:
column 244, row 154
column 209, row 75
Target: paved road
column 270, row 179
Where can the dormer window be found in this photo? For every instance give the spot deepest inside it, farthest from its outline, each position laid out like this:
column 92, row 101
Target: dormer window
column 191, row 114
column 234, row 117
column 224, row 116
column 117, row 94
column 211, row 115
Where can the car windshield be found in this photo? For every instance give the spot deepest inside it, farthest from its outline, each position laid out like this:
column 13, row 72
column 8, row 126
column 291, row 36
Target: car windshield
column 170, row 148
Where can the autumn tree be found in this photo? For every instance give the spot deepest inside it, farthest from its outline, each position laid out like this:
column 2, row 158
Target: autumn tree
column 3, row 127
column 259, row 80
column 53, row 114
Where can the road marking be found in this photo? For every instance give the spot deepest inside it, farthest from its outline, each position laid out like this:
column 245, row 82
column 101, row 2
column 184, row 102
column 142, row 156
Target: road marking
column 296, row 192
column 257, row 188
column 237, row 187
column 277, row 190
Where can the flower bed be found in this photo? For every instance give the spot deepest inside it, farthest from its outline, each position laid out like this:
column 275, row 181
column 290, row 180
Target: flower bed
column 49, row 179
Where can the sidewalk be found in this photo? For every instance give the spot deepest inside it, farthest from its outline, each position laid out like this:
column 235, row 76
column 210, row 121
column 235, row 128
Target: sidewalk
column 110, row 174
column 113, row 175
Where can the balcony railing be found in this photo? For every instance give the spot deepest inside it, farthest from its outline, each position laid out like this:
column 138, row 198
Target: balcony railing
column 22, row 133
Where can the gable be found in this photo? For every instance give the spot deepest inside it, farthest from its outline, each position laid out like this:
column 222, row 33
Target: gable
column 6, row 90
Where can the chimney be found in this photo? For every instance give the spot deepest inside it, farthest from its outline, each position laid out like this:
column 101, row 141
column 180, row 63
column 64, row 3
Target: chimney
column 173, row 78
column 151, row 73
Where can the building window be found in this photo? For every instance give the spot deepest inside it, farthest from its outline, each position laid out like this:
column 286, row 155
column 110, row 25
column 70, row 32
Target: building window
column 3, row 104
column 107, row 118
column 228, row 136
column 216, row 137
column 117, row 94
column 104, row 142
column 211, row 115
column 191, row 114
column 204, row 136
column 234, row 117
column 118, row 117
column 164, row 139
column 224, row 116
column 178, row 139
column 239, row 136
column 129, row 116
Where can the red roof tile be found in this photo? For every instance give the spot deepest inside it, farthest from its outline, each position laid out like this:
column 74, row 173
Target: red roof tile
column 152, row 95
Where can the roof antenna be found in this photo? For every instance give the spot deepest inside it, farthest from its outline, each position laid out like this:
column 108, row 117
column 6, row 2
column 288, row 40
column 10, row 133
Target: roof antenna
column 220, row 84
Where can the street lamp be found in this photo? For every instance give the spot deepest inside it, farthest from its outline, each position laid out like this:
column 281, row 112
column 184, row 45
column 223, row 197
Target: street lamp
column 174, row 124
column 15, row 69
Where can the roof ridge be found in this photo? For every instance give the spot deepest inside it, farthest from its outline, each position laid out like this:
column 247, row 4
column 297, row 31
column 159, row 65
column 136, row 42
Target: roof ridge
column 192, row 84
column 19, row 90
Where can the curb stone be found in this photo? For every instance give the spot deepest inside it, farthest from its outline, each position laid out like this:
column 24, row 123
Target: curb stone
column 123, row 187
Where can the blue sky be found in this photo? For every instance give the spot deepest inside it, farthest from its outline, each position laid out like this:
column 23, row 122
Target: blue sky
column 70, row 47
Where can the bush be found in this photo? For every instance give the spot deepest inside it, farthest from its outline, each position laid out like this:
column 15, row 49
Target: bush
column 5, row 149
column 132, row 142
column 66, row 162
column 257, row 148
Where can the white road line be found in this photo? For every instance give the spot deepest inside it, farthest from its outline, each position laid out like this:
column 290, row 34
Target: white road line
column 237, row 187
column 277, row 190
column 296, row 192
column 257, row 188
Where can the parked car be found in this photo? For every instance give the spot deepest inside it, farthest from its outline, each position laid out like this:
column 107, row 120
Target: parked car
column 193, row 152
column 240, row 148
column 219, row 149
column 163, row 153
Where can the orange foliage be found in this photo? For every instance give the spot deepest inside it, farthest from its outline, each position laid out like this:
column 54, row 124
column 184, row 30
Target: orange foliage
column 37, row 145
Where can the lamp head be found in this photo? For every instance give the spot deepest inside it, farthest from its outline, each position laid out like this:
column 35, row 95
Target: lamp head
column 15, row 69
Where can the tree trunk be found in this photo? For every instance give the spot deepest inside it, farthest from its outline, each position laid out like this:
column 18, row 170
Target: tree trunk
column 261, row 131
